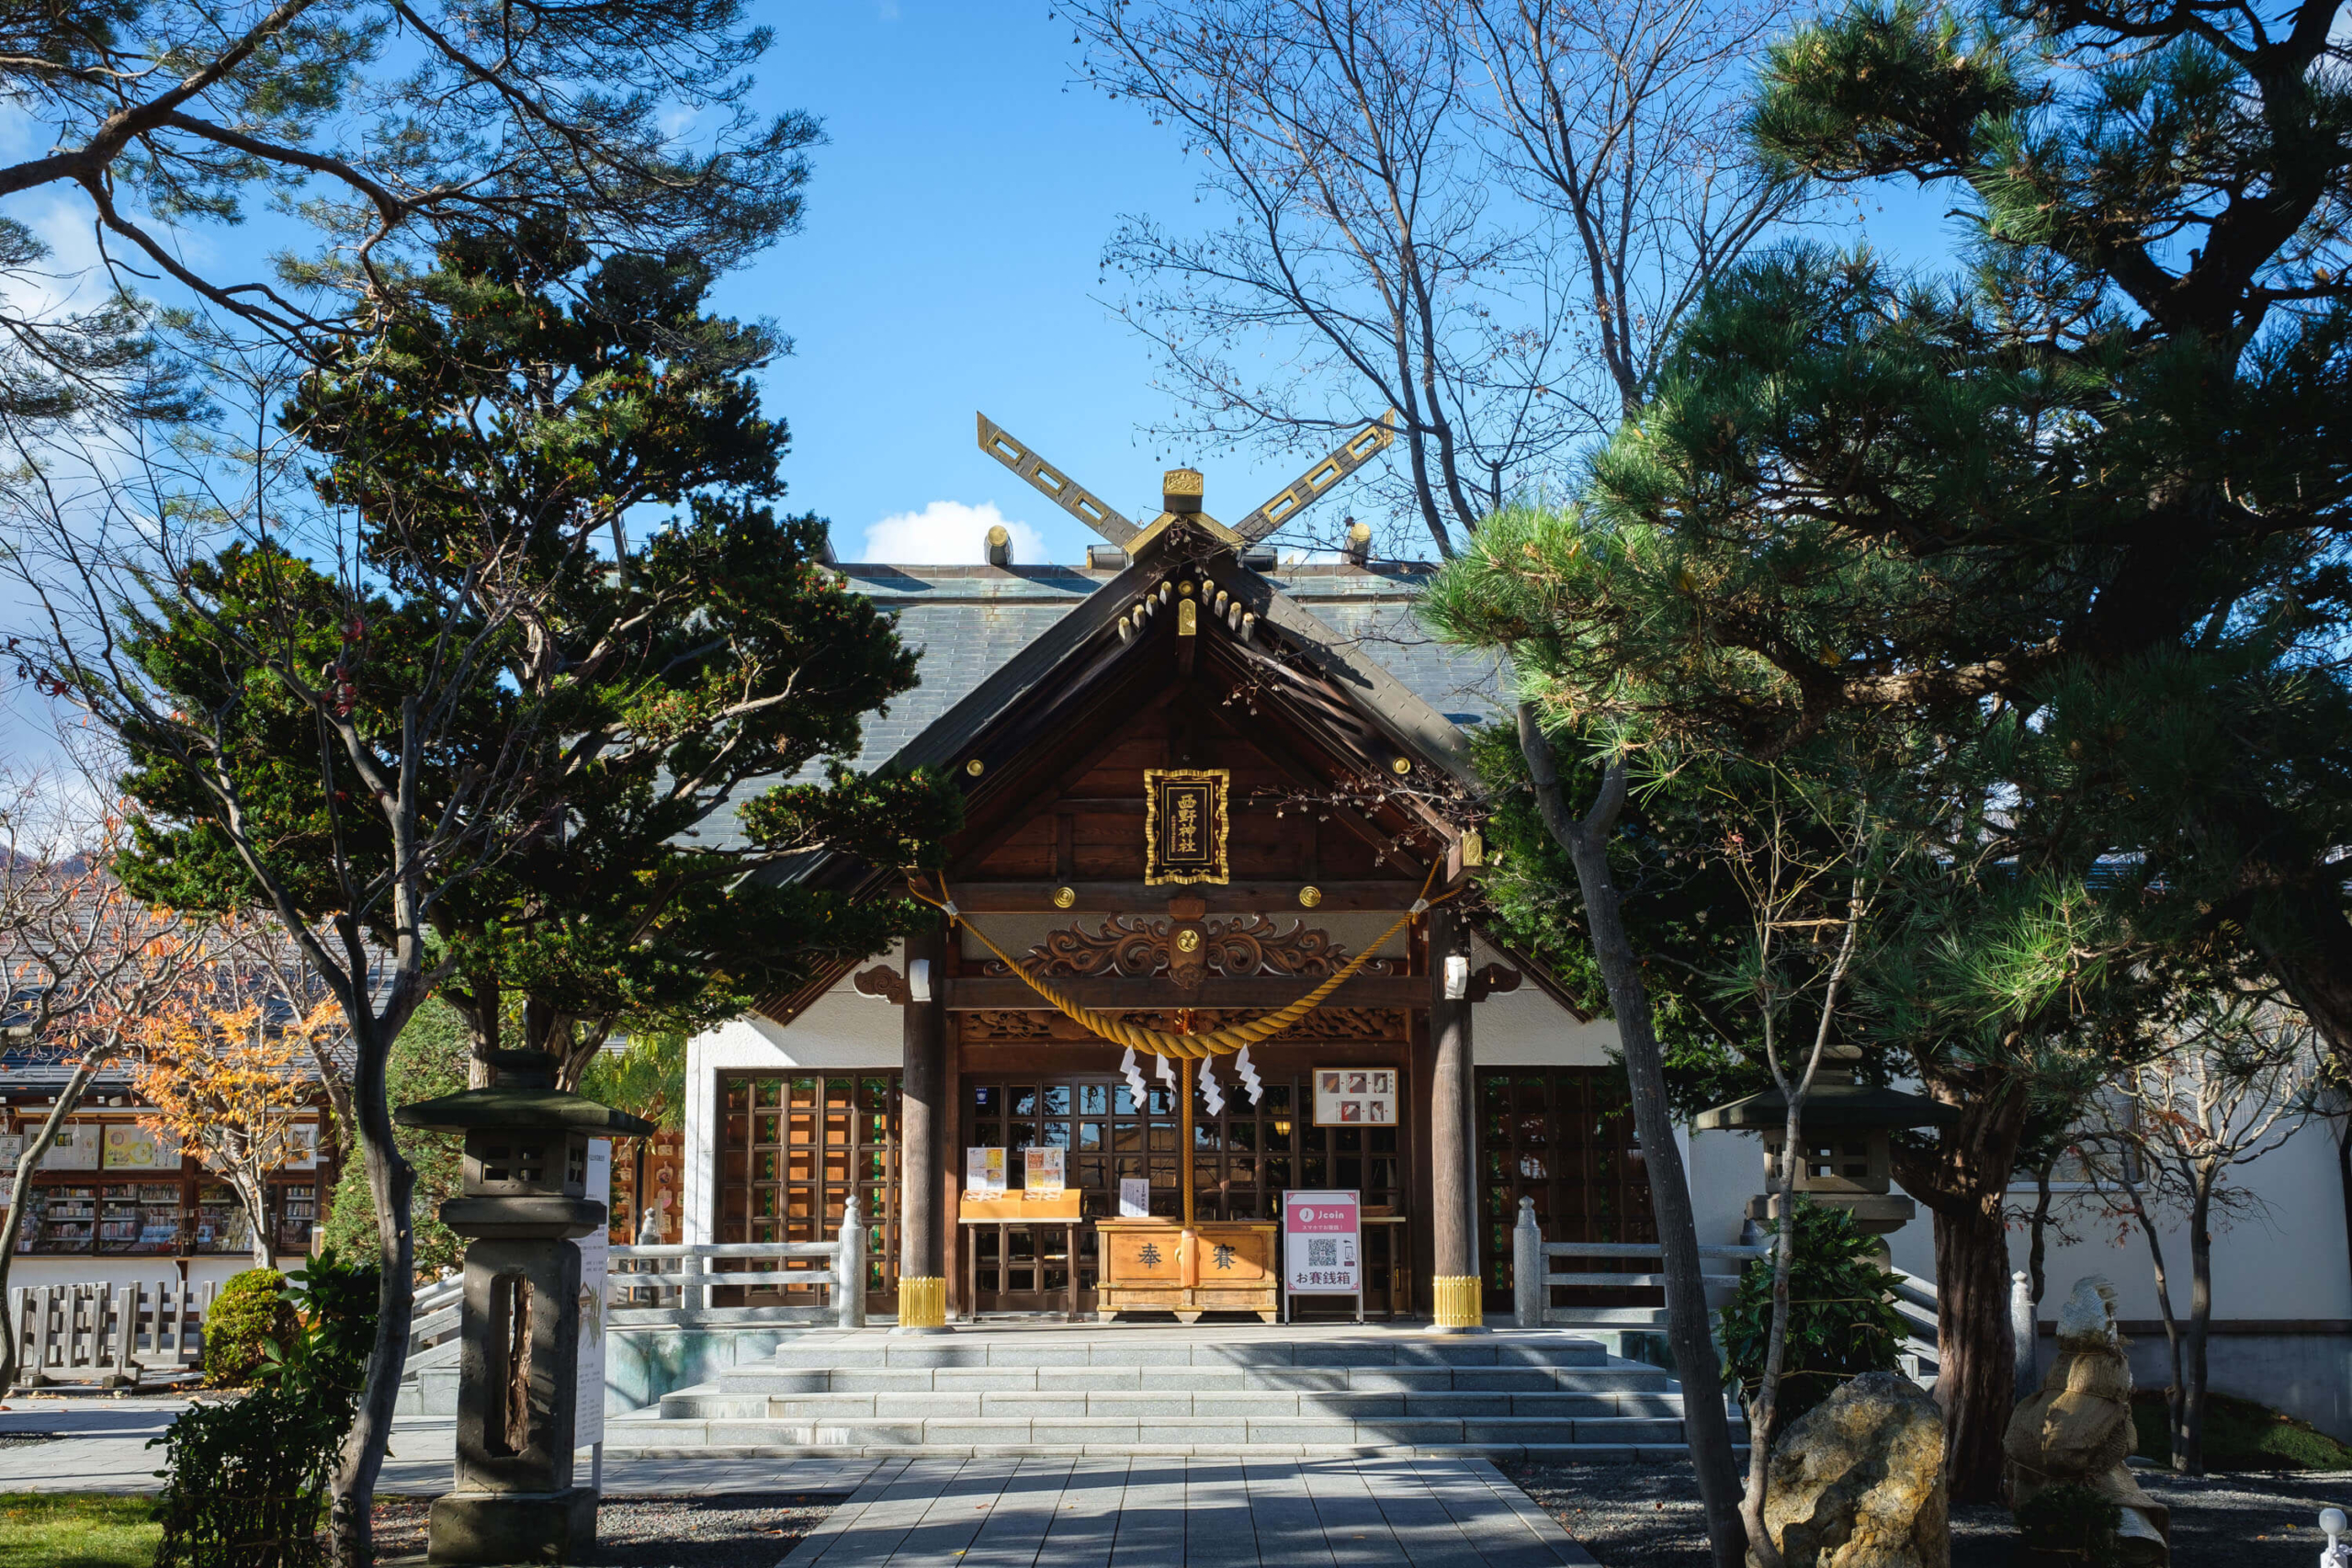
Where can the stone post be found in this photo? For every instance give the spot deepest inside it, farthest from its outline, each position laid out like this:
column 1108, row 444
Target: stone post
column 2022, row 1331
column 1452, row 1186
column 849, row 1269
column 1526, row 1261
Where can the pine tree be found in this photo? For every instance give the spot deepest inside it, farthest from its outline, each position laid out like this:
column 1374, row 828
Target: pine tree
column 538, row 406
column 451, row 725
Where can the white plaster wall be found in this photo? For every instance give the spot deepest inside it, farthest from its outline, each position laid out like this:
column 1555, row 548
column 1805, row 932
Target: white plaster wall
column 1526, row 1028
column 2284, row 1260
column 1726, row 1169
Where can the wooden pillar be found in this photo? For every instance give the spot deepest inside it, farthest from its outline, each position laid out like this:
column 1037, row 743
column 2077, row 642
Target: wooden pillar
column 1453, row 1220
column 922, row 1105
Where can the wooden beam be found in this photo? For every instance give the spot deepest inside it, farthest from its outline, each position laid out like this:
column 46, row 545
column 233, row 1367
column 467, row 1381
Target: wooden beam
column 1130, row 994
column 993, row 897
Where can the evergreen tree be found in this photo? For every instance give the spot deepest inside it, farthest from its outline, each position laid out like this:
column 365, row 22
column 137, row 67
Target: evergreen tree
column 544, row 406
column 2070, row 529
column 450, row 724
column 2159, row 196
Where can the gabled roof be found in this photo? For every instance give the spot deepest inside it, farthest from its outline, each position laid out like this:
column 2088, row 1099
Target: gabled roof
column 1011, row 656
column 988, row 633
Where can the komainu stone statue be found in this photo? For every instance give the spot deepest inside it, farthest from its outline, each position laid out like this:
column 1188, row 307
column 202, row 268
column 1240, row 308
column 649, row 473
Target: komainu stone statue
column 1859, row 1480
column 2077, row 1429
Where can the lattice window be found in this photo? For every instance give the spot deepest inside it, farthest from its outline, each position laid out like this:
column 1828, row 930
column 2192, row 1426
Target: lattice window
column 792, row 1150
column 1565, row 1137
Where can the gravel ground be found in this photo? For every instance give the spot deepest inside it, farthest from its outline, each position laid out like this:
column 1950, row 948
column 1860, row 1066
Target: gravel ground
column 1647, row 1515
column 750, row 1530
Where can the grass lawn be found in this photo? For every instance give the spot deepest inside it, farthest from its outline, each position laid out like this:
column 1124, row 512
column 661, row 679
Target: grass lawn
column 76, row 1530
column 2239, row 1434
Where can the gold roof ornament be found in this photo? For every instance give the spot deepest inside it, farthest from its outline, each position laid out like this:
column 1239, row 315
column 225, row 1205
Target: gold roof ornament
column 1182, row 490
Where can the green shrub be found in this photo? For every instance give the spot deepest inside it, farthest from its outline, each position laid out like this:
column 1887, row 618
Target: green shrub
column 2239, row 1434
column 246, row 1477
column 249, row 1317
column 1841, row 1322
column 2070, row 1523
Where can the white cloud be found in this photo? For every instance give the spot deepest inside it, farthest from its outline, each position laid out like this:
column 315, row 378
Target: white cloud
column 948, row 533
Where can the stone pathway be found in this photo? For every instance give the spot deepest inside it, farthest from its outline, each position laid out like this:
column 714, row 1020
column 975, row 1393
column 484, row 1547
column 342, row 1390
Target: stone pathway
column 1174, row 1513
column 1091, row 1512
column 100, row 1445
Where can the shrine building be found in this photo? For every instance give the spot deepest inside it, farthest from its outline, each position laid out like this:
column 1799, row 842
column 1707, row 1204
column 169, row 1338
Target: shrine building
column 1215, row 801
column 1199, row 787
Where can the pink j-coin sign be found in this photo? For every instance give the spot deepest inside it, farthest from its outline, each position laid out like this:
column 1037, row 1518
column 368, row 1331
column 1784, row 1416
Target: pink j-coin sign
column 1322, row 1250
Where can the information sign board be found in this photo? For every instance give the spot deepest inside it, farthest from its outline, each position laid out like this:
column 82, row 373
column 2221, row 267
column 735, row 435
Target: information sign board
column 595, row 1263
column 983, row 1171
column 1322, row 1244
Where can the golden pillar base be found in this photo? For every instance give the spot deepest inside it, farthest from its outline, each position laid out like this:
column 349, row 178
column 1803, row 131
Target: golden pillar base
column 1458, row 1302
column 922, row 1303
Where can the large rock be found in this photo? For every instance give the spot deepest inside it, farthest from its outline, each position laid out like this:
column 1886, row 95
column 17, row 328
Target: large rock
column 1858, row 1482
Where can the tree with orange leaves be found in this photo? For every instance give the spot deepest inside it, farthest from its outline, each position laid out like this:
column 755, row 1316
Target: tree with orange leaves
column 235, row 1087
column 81, row 963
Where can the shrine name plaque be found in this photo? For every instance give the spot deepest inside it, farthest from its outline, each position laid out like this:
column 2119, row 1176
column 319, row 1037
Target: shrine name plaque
column 1157, row 1265
column 1185, row 825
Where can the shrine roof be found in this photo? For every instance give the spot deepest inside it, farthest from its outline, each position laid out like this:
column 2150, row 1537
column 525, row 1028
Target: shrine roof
column 969, row 621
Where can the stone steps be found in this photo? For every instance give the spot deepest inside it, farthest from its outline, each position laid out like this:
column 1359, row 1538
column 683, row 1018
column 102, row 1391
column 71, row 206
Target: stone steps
column 1218, row 1405
column 1203, row 1390
column 1624, row 1377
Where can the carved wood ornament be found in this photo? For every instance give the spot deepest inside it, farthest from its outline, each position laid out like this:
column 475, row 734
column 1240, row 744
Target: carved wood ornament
column 1188, row 947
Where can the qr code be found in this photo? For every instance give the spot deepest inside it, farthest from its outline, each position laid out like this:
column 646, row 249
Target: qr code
column 1323, row 1252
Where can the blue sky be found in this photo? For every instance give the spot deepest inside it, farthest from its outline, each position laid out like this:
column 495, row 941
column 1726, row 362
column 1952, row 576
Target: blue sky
column 948, row 264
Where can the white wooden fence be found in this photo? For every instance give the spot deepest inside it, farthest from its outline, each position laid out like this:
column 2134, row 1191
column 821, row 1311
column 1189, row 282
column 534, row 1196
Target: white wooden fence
column 1532, row 1278
column 108, row 1332
column 681, row 1275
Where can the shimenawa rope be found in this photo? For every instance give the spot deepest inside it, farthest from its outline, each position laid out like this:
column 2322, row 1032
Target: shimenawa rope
column 1215, row 1043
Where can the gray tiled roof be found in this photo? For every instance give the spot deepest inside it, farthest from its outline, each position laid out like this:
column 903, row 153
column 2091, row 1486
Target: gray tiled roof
column 968, row 621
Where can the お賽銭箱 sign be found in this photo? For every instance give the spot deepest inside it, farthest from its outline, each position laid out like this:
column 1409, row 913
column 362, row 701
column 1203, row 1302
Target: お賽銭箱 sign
column 1322, row 1249
column 1185, row 824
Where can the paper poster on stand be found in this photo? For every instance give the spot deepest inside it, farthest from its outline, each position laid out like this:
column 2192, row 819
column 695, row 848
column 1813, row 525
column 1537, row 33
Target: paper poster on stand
column 983, row 1171
column 1041, row 1172
column 595, row 1261
column 1135, row 1198
column 1322, row 1244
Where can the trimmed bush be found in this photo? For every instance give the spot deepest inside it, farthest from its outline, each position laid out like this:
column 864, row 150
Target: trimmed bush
column 1841, row 1322
column 246, row 1477
column 249, row 1317
column 2240, row 1434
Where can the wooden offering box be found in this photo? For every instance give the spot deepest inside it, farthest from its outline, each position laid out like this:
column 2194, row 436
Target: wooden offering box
column 1158, row 1266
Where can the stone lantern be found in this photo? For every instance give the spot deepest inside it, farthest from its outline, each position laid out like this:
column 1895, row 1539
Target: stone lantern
column 525, row 1199
column 1846, row 1162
